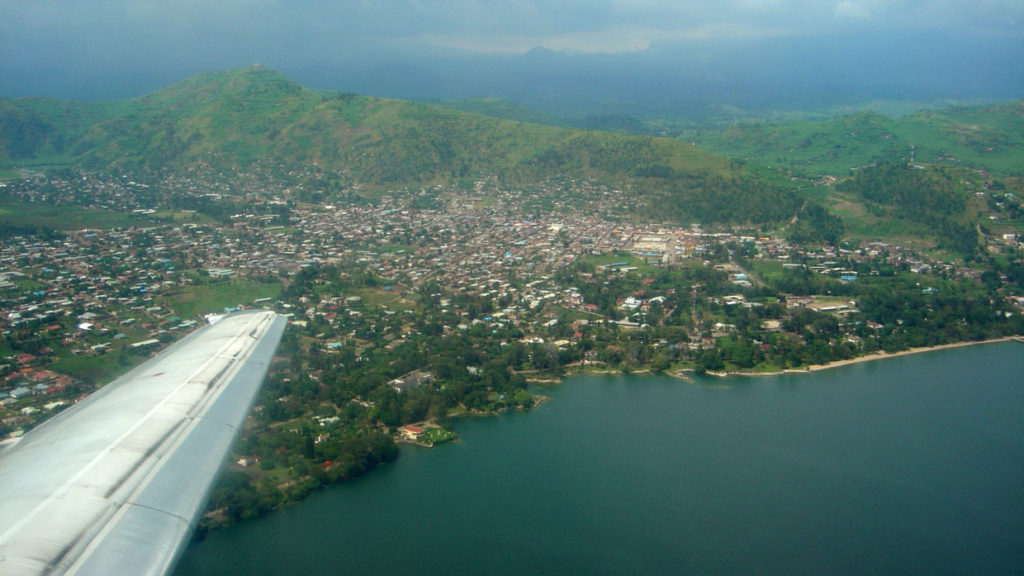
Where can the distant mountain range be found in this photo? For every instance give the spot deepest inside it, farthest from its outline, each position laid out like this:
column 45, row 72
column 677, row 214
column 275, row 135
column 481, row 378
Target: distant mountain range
column 697, row 80
column 707, row 79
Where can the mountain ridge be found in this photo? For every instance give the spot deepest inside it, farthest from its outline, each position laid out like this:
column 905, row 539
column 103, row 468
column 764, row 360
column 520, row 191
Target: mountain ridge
column 239, row 117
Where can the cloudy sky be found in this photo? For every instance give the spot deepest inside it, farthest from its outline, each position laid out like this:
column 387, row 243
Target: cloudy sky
column 213, row 34
column 127, row 30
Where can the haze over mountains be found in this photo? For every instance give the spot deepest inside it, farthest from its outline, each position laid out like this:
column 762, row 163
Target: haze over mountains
column 694, row 79
column 697, row 79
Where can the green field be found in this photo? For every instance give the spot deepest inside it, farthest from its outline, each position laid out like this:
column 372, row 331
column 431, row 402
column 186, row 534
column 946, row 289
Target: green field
column 373, row 297
column 216, row 296
column 67, row 217
column 182, row 217
column 98, row 369
column 766, row 270
column 631, row 261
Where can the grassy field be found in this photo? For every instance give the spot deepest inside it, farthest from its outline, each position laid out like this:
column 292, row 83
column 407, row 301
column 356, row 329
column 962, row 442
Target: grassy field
column 182, row 217
column 100, row 368
column 766, row 271
column 67, row 217
column 393, row 299
column 631, row 261
column 861, row 224
column 28, row 284
column 217, row 296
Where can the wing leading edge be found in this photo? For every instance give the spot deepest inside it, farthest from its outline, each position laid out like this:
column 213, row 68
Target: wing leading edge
column 116, row 484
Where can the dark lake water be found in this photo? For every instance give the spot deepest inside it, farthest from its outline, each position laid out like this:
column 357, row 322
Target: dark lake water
column 911, row 465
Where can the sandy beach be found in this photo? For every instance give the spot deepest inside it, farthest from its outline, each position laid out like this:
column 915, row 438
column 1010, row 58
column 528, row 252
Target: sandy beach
column 685, row 374
column 883, row 355
column 867, row 358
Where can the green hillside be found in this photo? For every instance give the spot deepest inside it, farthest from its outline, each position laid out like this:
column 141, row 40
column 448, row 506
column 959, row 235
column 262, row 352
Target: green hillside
column 499, row 108
column 932, row 178
column 234, row 119
column 988, row 137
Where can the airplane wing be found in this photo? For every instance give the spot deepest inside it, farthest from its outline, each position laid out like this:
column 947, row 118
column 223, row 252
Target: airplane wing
column 116, row 483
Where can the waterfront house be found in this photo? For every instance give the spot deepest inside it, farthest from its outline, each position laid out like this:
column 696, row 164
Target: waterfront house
column 410, row 432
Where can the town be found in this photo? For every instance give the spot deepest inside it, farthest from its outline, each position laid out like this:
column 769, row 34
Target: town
column 412, row 306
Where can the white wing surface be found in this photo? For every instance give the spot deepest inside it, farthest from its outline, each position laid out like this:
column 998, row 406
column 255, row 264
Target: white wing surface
column 116, row 483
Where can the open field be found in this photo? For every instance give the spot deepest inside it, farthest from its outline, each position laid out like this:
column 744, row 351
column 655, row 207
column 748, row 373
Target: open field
column 216, row 296
column 67, row 217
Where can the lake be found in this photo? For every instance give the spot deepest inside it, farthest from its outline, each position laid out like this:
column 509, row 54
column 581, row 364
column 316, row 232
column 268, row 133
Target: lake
column 909, row 465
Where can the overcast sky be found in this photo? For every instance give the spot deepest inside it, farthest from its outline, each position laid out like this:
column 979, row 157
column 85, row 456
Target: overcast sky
column 63, row 31
column 215, row 34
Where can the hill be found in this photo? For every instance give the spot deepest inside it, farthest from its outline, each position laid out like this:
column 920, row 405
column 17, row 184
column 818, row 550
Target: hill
column 934, row 175
column 989, row 137
column 235, row 119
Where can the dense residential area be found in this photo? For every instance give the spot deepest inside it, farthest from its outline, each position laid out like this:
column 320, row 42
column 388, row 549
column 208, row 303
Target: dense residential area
column 414, row 305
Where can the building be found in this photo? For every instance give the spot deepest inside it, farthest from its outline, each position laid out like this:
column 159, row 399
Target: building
column 410, row 432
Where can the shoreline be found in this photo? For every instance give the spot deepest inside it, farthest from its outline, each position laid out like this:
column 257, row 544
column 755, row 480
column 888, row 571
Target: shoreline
column 873, row 357
column 685, row 374
column 908, row 352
